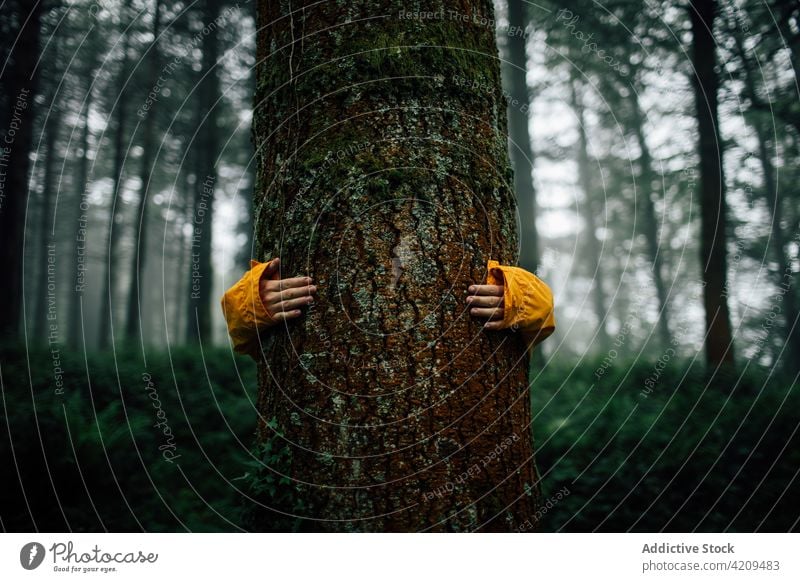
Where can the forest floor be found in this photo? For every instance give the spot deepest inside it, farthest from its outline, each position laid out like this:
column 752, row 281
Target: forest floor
column 164, row 446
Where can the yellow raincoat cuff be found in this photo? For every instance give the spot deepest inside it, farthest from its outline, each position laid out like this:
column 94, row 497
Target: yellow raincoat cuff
column 244, row 311
column 527, row 302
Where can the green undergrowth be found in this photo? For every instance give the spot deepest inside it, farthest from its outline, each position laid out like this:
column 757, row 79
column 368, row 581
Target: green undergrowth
column 167, row 445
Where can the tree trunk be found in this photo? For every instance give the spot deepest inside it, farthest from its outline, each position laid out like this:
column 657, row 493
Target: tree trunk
column 521, row 149
column 182, row 219
column 785, row 276
column 650, row 222
column 79, row 257
column 383, row 177
column 591, row 244
column 520, row 146
column 107, row 298
column 713, row 206
column 20, row 86
column 786, row 15
column 47, row 237
column 201, row 275
column 133, row 323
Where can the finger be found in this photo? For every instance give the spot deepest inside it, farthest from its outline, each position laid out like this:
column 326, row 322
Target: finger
column 486, row 289
column 485, row 301
column 274, row 297
column 281, row 284
column 286, row 315
column 294, row 293
column 292, row 304
column 486, row 312
column 493, row 325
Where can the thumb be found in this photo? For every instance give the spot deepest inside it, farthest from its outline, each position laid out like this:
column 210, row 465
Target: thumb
column 497, row 274
column 272, row 268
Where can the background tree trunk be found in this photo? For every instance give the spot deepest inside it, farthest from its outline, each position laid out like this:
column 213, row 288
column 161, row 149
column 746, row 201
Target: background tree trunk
column 785, row 278
column 718, row 340
column 133, row 323
column 198, row 325
column 383, row 176
column 183, row 203
column 650, row 222
column 107, row 298
column 46, row 234
column 80, row 220
column 17, row 117
column 591, row 244
column 521, row 149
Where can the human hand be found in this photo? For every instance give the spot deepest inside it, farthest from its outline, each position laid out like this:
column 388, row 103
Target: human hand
column 283, row 298
column 486, row 302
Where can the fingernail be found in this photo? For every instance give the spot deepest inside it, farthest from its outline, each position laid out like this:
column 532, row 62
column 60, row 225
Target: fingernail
column 469, row 299
column 474, row 311
column 472, row 288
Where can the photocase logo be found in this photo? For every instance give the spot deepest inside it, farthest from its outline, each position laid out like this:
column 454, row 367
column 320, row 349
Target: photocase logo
column 31, row 555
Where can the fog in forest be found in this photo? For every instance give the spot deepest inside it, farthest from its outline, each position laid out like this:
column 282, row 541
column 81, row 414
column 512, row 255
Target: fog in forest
column 121, row 116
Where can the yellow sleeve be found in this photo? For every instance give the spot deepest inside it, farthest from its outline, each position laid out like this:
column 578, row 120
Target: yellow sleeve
column 527, row 302
column 245, row 313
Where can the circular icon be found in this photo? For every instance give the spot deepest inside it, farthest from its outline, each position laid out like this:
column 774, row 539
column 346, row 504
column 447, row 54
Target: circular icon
column 31, row 555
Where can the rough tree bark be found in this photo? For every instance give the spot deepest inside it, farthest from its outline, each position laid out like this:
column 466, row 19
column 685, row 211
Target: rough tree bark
column 384, row 175
column 713, row 206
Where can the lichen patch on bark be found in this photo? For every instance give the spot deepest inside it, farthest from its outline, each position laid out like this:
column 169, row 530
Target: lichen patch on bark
column 390, row 185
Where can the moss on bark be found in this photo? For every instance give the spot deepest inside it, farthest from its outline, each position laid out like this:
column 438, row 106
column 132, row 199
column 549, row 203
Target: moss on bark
column 384, row 175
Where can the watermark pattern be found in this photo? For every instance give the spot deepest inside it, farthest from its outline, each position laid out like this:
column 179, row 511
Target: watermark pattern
column 52, row 321
column 169, row 69
column 474, row 469
column 775, row 309
column 551, row 502
column 20, row 105
column 168, row 447
column 569, row 20
column 81, row 262
column 332, row 158
column 734, row 263
column 671, row 352
column 197, row 234
column 621, row 337
column 473, row 18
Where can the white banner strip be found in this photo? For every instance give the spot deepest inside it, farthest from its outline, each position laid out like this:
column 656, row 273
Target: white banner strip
column 399, row 557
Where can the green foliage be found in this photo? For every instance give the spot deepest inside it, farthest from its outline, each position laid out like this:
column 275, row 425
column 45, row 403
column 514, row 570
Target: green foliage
column 273, row 498
column 94, row 458
column 697, row 450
